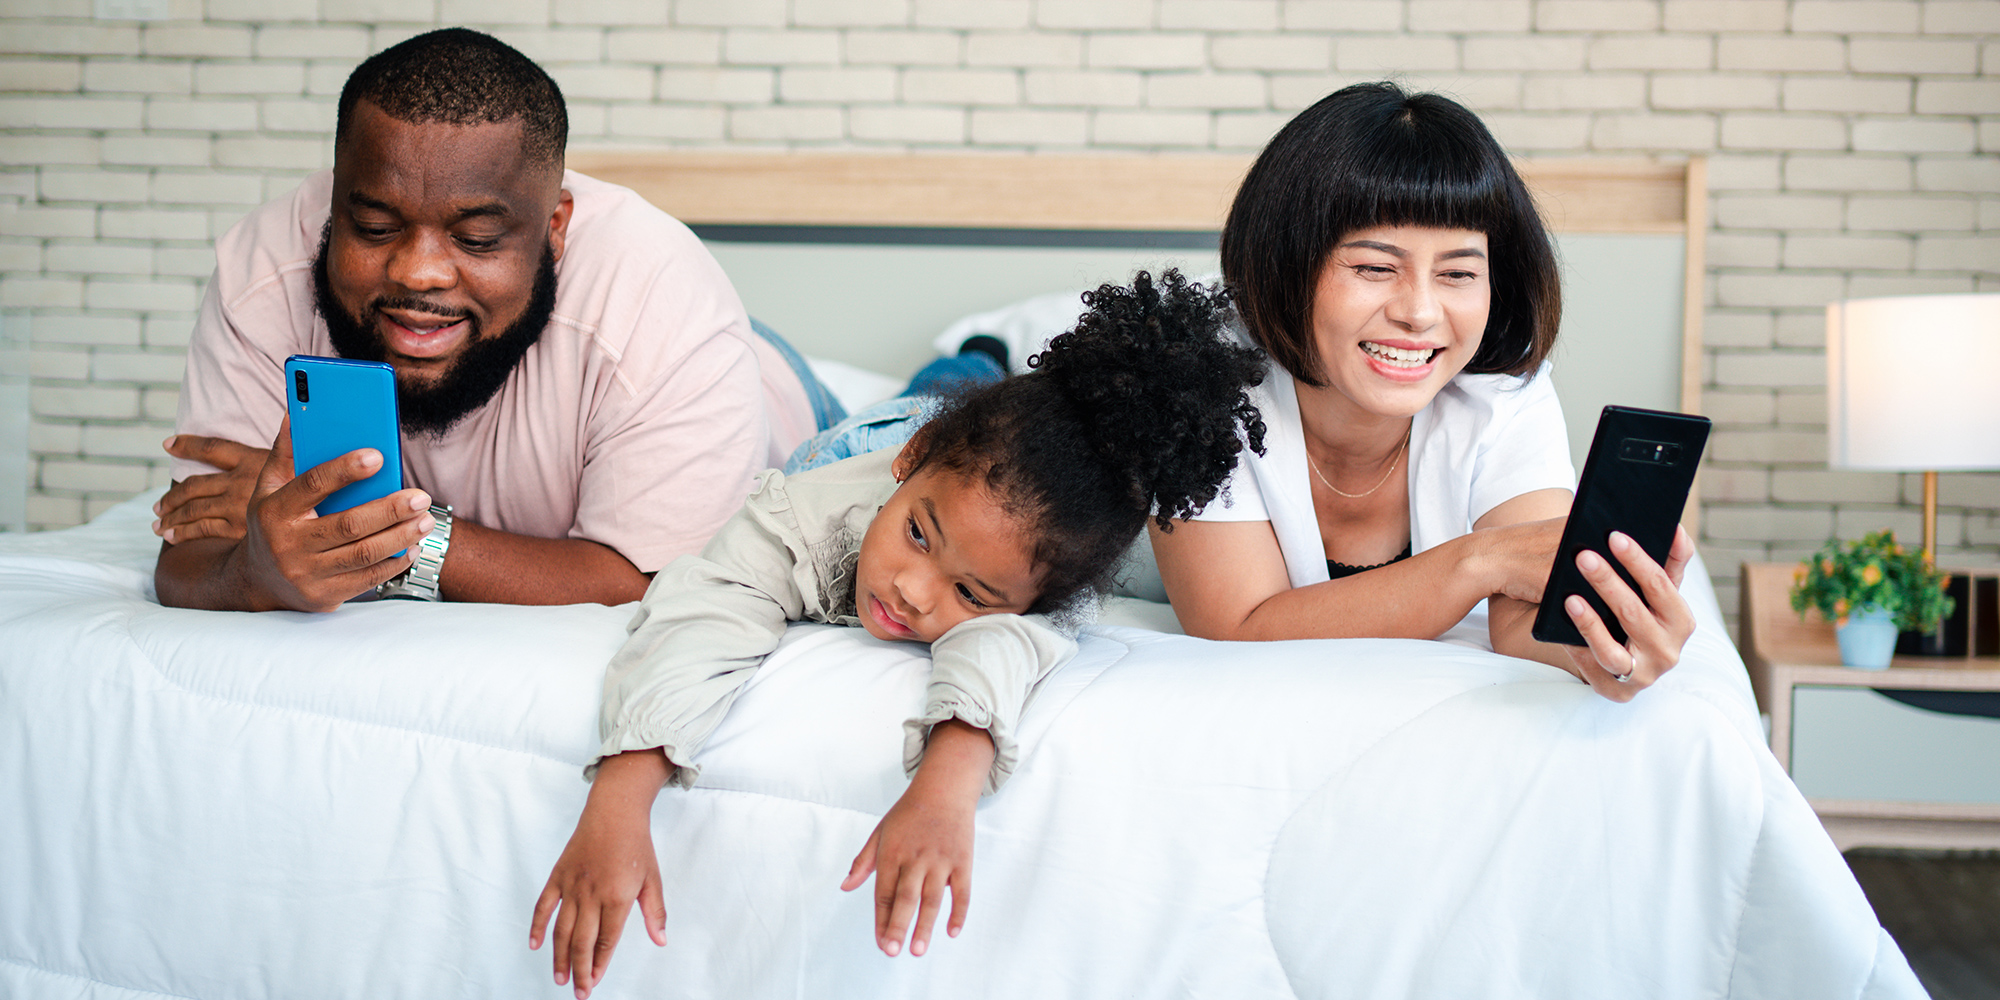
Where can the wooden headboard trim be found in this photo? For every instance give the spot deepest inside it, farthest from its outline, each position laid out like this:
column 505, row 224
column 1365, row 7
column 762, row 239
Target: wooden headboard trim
column 1187, row 193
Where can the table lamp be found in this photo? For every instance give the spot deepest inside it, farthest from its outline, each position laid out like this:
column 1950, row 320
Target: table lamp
column 1913, row 385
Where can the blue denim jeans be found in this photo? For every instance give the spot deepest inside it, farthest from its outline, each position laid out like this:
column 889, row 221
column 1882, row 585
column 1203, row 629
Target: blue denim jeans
column 893, row 421
column 827, row 410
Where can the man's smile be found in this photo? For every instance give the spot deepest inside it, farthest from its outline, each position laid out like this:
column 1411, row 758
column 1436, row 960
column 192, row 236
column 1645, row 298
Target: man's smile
column 421, row 335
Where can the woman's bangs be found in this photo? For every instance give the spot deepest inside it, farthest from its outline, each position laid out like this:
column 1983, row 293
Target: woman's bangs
column 1409, row 186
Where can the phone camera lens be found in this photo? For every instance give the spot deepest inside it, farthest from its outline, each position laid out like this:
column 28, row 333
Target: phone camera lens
column 299, row 380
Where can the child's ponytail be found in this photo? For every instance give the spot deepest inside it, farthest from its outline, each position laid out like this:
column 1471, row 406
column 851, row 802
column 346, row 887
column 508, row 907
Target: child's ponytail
column 1136, row 412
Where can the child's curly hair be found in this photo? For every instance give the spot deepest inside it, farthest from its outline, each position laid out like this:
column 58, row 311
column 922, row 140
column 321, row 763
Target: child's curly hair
column 1136, row 412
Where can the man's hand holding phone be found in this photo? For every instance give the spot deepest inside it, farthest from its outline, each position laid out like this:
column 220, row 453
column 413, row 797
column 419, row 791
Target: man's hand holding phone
column 291, row 557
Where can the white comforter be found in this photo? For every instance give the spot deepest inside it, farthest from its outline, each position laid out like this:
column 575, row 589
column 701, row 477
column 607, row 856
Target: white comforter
column 366, row 804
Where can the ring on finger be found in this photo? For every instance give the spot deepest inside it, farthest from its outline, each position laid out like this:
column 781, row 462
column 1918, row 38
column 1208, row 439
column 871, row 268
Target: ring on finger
column 1626, row 677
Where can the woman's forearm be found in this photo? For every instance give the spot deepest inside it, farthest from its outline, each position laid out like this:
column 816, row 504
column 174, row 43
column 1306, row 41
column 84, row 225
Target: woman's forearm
column 1415, row 598
column 1510, row 625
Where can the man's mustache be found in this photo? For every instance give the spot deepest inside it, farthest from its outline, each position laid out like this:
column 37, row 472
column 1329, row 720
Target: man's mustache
column 412, row 303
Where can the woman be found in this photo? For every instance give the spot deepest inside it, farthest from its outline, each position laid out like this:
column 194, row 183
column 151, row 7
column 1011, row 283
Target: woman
column 1391, row 264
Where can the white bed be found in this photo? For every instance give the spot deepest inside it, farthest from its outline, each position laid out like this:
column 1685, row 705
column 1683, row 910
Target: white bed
column 366, row 803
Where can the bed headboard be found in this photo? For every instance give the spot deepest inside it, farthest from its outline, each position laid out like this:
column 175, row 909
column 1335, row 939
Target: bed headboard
column 864, row 258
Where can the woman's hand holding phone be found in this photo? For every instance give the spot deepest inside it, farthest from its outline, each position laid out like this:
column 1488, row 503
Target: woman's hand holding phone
column 293, row 558
column 1656, row 628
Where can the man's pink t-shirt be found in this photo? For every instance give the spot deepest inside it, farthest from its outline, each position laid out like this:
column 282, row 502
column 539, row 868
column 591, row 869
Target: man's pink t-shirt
column 637, row 421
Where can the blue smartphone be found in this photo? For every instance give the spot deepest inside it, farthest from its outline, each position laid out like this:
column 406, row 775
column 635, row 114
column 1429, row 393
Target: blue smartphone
column 338, row 406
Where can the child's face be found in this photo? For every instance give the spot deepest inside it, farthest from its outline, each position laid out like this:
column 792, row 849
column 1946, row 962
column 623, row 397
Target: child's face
column 941, row 551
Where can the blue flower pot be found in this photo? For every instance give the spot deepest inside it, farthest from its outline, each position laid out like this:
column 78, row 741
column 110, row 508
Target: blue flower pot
column 1868, row 639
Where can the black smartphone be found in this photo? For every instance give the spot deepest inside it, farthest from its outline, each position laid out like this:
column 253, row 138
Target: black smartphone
column 1635, row 480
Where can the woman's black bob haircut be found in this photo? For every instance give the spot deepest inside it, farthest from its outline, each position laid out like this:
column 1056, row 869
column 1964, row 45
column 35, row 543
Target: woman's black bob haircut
column 1373, row 155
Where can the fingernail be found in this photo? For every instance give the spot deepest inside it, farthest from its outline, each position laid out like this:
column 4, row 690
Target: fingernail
column 426, row 523
column 1588, row 560
column 420, row 502
column 917, row 950
column 370, row 458
column 169, row 442
column 156, row 524
column 893, row 948
column 168, row 535
column 1576, row 605
column 157, row 504
column 1620, row 541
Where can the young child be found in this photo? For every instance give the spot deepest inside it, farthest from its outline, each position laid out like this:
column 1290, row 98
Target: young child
column 1013, row 503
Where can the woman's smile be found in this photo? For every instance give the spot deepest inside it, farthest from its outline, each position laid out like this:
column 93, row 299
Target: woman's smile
column 1399, row 361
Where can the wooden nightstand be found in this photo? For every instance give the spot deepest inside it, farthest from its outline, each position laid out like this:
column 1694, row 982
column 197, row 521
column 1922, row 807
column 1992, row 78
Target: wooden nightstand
column 1784, row 653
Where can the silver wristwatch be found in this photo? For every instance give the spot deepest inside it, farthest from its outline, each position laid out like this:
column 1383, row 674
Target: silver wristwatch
column 420, row 581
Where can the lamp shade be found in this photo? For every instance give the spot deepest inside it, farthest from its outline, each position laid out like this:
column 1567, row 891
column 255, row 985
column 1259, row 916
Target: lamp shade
column 1913, row 383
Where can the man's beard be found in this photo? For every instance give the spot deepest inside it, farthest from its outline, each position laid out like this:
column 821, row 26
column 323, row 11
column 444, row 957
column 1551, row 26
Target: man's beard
column 472, row 380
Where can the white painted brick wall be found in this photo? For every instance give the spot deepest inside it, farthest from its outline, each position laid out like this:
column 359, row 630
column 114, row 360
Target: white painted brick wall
column 1780, row 53
column 1219, row 15
column 911, row 125
column 1854, row 150
column 1597, row 15
column 1023, row 49
column 1013, row 127
column 1342, row 15
column 904, row 48
column 1087, row 88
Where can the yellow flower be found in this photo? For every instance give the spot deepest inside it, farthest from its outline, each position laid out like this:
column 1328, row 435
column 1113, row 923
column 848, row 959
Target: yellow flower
column 1826, row 567
column 1871, row 574
column 1840, row 609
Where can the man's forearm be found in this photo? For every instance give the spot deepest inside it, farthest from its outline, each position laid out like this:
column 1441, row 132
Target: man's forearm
column 498, row 567
column 202, row 573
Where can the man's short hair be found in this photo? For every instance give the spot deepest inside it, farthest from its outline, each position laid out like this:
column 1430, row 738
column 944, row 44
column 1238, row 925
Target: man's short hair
column 461, row 77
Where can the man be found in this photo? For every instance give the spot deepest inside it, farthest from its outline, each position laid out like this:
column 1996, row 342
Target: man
column 582, row 396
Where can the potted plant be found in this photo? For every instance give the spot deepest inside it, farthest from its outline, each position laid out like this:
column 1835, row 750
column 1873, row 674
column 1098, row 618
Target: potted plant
column 1870, row 590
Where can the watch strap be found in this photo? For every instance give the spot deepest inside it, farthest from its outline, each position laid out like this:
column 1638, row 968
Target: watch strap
column 420, row 581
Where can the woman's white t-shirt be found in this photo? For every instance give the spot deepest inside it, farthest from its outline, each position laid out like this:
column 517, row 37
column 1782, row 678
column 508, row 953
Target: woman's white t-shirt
column 1484, row 440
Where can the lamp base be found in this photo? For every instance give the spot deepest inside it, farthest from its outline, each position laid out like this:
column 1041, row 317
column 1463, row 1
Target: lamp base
column 1972, row 628
column 1938, row 643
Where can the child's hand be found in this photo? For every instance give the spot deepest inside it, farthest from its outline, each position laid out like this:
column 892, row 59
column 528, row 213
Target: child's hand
column 920, row 847
column 609, row 863
column 924, row 844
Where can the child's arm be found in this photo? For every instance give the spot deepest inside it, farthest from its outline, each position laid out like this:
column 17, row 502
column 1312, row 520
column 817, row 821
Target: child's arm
column 609, row 863
column 924, row 843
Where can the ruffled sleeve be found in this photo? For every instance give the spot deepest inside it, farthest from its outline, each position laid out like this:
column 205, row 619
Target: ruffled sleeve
column 704, row 626
column 983, row 672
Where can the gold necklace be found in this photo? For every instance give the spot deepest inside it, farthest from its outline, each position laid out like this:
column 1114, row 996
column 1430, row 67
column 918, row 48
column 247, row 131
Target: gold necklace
column 1385, row 476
